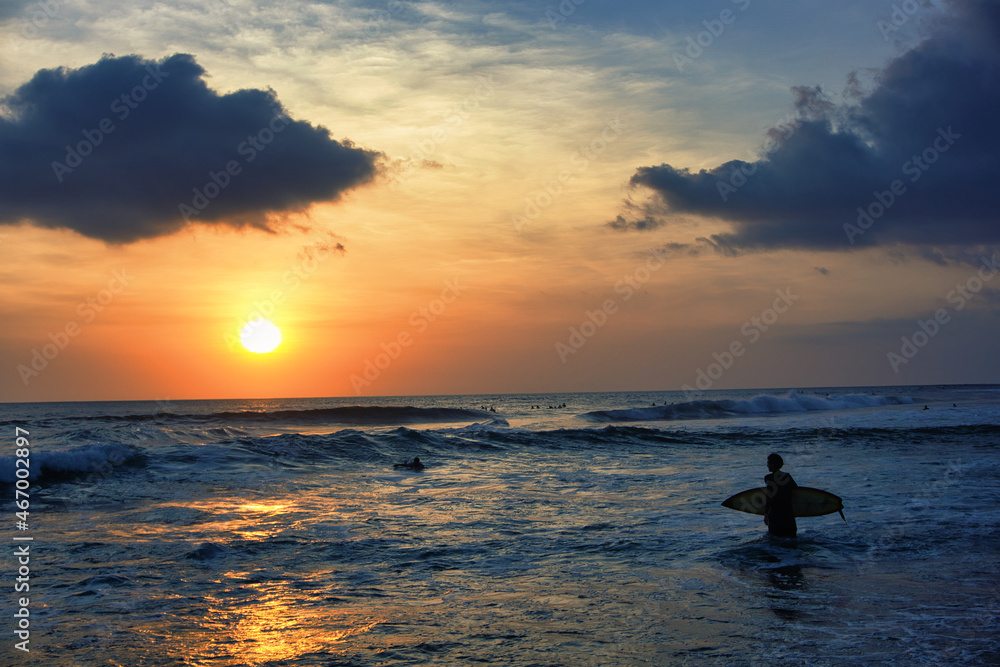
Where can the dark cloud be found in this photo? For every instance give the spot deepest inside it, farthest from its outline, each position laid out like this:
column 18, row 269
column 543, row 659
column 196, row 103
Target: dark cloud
column 927, row 122
column 128, row 148
column 644, row 224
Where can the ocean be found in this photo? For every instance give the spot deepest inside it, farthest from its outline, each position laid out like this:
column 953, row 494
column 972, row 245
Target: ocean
column 559, row 529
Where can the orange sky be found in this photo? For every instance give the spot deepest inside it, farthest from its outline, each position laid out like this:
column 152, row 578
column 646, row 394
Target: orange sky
column 433, row 249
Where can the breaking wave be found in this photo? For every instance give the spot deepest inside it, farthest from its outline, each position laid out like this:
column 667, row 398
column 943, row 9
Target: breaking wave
column 99, row 459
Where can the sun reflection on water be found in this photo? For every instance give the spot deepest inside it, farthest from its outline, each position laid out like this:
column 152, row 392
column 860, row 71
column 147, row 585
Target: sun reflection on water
column 256, row 613
column 270, row 622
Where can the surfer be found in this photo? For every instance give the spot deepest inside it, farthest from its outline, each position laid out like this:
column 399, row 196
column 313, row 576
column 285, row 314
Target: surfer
column 778, row 513
column 415, row 464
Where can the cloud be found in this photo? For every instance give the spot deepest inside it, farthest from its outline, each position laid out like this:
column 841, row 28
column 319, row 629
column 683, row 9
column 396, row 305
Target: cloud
column 647, row 223
column 127, row 148
column 927, row 124
column 326, row 243
column 12, row 8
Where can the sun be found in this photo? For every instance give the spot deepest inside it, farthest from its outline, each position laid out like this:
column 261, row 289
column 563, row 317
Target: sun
column 260, row 336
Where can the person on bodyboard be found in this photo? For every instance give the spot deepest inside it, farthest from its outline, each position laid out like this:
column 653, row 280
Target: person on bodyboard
column 778, row 514
column 415, row 464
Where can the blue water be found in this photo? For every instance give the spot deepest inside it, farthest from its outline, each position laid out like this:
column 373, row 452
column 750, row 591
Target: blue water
column 278, row 532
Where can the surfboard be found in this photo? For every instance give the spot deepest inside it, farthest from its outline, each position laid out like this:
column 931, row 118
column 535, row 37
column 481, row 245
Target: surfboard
column 806, row 501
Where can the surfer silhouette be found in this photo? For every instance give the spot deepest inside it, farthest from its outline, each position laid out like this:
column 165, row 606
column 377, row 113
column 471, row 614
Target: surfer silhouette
column 778, row 513
column 415, row 464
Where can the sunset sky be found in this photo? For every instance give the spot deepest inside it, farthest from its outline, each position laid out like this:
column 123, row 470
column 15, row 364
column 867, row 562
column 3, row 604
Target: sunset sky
column 493, row 197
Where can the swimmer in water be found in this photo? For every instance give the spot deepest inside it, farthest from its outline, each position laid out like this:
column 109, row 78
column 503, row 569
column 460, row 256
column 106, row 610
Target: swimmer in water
column 415, row 464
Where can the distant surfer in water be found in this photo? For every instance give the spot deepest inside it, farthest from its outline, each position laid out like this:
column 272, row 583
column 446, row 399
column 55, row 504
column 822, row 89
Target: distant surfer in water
column 778, row 513
column 415, row 464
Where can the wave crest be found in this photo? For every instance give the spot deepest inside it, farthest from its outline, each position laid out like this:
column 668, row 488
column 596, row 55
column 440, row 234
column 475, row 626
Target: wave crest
column 372, row 415
column 100, row 459
column 759, row 405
